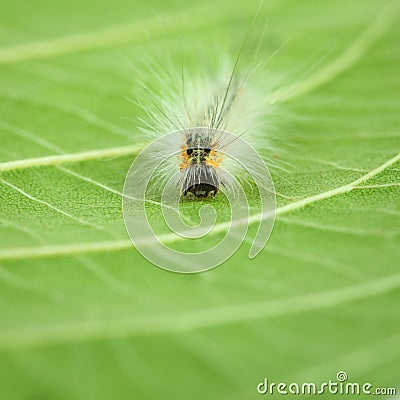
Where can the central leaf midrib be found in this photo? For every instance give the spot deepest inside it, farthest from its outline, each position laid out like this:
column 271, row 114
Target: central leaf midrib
column 113, row 245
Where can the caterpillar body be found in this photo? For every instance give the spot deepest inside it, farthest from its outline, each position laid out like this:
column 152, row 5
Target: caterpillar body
column 204, row 128
column 202, row 109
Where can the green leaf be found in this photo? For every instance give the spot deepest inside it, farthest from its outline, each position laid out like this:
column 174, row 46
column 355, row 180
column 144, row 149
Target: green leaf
column 84, row 316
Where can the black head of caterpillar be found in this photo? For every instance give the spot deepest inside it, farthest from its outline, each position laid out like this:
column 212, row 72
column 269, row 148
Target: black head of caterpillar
column 199, row 164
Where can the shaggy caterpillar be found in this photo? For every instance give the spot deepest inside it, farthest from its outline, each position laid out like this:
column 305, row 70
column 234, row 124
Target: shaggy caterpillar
column 204, row 128
column 203, row 105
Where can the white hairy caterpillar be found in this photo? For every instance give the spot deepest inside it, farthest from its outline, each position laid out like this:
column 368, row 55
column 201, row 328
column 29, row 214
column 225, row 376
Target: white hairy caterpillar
column 226, row 97
column 207, row 128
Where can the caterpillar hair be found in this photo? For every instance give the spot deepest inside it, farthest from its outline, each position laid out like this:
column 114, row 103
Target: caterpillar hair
column 203, row 106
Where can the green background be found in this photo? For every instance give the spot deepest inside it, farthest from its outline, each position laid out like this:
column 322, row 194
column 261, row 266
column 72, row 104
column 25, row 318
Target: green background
column 84, row 316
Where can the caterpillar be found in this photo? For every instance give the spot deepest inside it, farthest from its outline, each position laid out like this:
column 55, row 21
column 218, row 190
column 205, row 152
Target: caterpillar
column 202, row 106
column 206, row 129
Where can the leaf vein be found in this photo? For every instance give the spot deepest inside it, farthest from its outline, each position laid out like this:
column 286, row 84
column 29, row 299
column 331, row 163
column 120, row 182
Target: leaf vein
column 115, row 245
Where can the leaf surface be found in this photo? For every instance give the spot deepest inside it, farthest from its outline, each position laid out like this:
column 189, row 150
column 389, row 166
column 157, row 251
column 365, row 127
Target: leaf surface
column 84, row 316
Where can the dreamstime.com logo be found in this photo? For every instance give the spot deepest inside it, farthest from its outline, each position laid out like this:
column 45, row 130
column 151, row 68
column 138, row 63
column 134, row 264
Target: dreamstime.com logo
column 340, row 386
column 200, row 162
